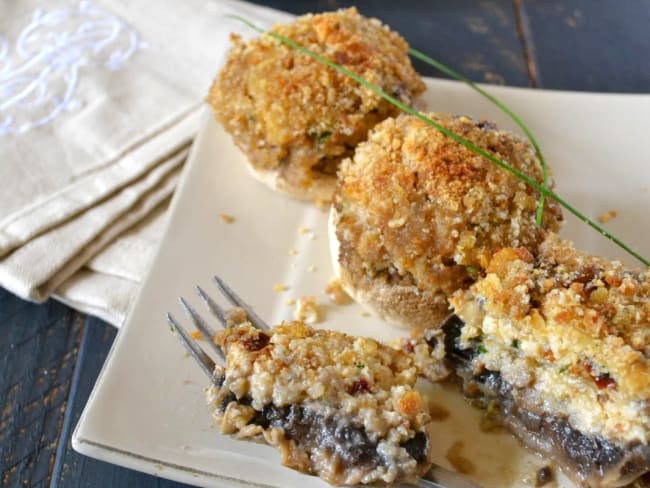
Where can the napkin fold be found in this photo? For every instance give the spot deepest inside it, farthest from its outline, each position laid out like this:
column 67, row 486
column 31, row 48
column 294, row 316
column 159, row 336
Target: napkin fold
column 99, row 103
column 107, row 284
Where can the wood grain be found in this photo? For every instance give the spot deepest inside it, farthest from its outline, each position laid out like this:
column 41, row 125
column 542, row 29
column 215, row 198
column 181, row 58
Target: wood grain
column 586, row 45
column 38, row 349
column 73, row 469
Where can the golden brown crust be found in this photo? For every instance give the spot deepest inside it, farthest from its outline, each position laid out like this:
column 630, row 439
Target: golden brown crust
column 296, row 118
column 418, row 215
column 582, row 329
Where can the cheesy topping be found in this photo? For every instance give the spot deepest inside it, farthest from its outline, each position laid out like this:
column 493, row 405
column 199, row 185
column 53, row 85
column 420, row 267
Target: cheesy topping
column 340, row 382
column 569, row 330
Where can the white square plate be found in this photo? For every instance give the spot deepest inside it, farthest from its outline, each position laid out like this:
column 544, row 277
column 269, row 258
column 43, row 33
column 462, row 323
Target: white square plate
column 147, row 410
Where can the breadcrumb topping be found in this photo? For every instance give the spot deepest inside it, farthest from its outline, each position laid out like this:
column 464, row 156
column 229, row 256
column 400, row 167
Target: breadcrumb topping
column 416, row 209
column 358, row 382
column 307, row 310
column 426, row 348
column 297, row 117
column 571, row 330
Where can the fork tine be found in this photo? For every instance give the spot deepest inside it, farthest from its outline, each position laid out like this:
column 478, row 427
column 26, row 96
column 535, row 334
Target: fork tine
column 203, row 327
column 235, row 300
column 216, row 310
column 205, row 362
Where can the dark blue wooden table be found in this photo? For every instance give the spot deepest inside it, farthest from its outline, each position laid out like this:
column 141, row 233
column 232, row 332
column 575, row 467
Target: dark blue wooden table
column 50, row 355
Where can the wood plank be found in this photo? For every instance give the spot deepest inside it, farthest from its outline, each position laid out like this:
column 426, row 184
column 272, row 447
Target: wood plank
column 38, row 349
column 587, row 45
column 73, row 469
column 478, row 39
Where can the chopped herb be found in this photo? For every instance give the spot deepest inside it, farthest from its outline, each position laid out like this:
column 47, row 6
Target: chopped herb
column 472, row 272
column 563, row 369
column 360, row 365
column 515, row 343
column 323, row 136
column 481, row 349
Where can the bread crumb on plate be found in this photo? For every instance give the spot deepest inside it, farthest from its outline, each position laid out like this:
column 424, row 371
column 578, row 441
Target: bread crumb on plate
column 307, row 310
column 226, row 218
column 336, row 293
column 607, row 216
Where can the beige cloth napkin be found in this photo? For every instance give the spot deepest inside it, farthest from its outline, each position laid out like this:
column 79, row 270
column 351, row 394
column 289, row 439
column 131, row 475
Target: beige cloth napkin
column 99, row 102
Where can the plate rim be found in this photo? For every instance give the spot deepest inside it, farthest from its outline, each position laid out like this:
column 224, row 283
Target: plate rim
column 187, row 474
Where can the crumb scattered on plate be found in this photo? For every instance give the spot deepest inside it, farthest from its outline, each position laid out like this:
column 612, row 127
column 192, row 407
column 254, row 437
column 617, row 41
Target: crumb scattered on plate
column 607, row 216
column 293, row 252
column 304, row 230
column 226, row 218
column 335, row 291
column 280, row 287
column 312, row 268
column 195, row 334
column 290, row 301
column 307, row 310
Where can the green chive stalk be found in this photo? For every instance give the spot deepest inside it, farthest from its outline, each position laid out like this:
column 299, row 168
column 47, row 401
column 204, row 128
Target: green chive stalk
column 455, row 74
column 542, row 188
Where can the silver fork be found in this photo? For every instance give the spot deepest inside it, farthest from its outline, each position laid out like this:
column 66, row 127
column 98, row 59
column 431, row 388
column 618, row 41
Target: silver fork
column 436, row 477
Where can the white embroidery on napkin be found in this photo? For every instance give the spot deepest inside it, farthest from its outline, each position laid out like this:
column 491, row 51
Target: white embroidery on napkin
column 39, row 81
